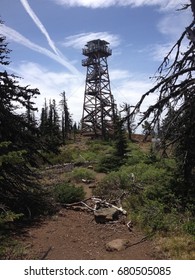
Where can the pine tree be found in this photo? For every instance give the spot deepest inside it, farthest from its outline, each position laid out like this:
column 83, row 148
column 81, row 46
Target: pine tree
column 66, row 118
column 50, row 126
column 44, row 119
column 19, row 144
column 120, row 138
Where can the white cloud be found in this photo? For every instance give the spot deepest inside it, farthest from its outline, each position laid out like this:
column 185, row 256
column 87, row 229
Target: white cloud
column 165, row 4
column 78, row 41
column 117, row 74
column 159, row 51
column 132, row 89
column 51, row 84
column 173, row 24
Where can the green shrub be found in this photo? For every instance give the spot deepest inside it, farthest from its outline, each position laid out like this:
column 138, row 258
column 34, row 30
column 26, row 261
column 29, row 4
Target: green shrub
column 152, row 216
column 109, row 187
column 108, row 163
column 114, row 184
column 8, row 216
column 80, row 173
column 68, row 193
column 87, row 156
column 189, row 227
column 148, row 174
column 96, row 146
column 92, row 151
column 151, row 201
column 99, row 146
column 135, row 155
column 64, row 156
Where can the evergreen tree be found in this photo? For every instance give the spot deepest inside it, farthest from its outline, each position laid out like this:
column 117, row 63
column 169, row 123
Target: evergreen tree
column 44, row 119
column 50, row 127
column 120, row 138
column 66, row 118
column 19, row 144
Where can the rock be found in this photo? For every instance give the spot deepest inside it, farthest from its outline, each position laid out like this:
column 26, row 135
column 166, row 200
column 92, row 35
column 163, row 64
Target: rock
column 117, row 245
column 104, row 215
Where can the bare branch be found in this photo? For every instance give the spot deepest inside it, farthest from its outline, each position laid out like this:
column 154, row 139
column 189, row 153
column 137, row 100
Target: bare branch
column 193, row 7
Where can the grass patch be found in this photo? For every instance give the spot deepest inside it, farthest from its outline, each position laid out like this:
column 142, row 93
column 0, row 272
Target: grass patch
column 10, row 249
column 176, row 247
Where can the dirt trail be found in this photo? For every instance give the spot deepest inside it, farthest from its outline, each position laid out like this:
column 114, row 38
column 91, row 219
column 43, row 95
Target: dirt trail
column 72, row 235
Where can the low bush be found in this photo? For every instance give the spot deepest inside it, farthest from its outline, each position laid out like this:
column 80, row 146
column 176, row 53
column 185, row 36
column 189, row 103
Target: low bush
column 64, row 156
column 152, row 216
column 96, row 152
column 189, row 227
column 68, row 193
column 11, row 249
column 108, row 163
column 87, row 156
column 80, row 173
column 114, row 184
column 7, row 216
column 135, row 155
column 109, row 187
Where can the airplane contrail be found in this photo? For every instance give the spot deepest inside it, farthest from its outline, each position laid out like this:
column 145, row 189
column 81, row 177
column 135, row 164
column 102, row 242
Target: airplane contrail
column 39, row 25
column 19, row 38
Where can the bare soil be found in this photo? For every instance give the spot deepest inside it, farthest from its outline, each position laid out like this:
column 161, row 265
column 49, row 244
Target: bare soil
column 72, row 235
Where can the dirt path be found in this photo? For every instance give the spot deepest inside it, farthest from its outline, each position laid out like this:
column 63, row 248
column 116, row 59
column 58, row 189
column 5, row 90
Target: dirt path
column 75, row 235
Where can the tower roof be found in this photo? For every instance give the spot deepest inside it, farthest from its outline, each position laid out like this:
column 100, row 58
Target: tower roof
column 97, row 42
column 97, row 46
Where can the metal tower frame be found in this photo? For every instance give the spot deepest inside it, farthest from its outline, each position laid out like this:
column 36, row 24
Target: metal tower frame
column 99, row 107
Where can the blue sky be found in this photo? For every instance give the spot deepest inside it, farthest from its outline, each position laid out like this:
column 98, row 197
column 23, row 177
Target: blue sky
column 47, row 36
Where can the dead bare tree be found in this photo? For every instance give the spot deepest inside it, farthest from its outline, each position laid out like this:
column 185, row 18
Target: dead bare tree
column 175, row 85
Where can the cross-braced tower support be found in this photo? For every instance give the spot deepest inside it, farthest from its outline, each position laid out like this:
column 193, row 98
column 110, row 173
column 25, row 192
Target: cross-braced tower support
column 98, row 108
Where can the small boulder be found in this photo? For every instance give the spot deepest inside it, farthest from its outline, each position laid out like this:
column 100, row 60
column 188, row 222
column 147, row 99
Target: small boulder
column 117, row 245
column 104, row 215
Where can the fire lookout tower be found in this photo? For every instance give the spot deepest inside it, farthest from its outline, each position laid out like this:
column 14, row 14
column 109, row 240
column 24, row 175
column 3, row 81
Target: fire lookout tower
column 98, row 108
